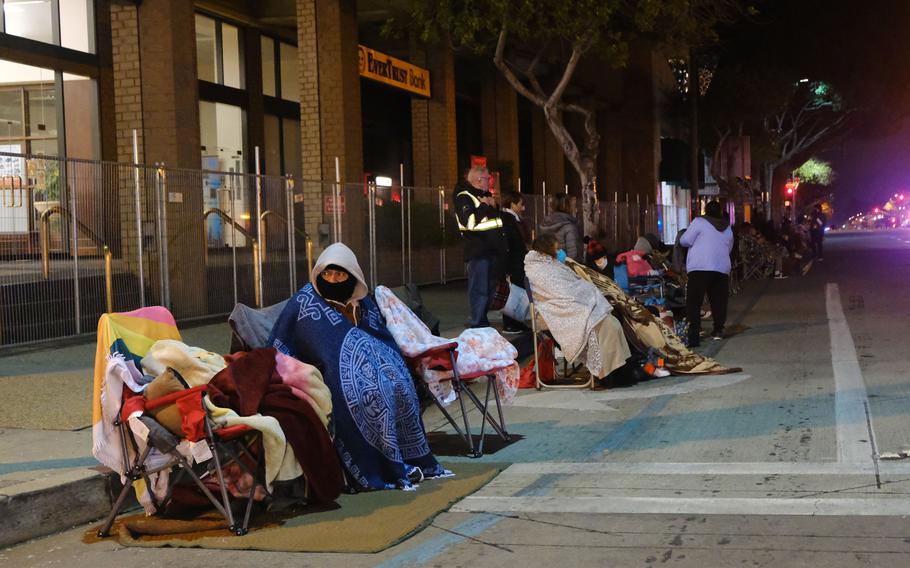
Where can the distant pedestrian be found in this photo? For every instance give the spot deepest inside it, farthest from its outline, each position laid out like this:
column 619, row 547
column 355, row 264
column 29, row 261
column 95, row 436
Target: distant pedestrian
column 517, row 240
column 484, row 245
column 818, row 221
column 562, row 222
column 709, row 239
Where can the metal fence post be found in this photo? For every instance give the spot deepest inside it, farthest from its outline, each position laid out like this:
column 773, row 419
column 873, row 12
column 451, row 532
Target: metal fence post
column 292, row 244
column 336, row 199
column 258, row 258
column 75, row 235
column 165, row 261
column 442, row 231
column 371, row 231
column 138, row 197
column 410, row 251
column 232, row 193
column 404, row 279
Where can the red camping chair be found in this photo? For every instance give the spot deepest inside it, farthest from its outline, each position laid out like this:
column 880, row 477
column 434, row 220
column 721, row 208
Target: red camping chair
column 443, row 358
column 227, row 446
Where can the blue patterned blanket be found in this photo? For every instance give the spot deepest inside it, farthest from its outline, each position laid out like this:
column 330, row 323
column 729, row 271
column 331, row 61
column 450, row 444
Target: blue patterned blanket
column 379, row 433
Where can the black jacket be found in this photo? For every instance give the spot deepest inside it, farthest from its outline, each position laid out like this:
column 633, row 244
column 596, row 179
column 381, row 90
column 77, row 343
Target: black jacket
column 489, row 243
column 517, row 249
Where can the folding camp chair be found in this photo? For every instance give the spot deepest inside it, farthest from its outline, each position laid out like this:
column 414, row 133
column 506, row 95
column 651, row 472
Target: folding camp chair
column 755, row 262
column 148, row 448
column 444, row 357
column 537, row 331
column 227, row 446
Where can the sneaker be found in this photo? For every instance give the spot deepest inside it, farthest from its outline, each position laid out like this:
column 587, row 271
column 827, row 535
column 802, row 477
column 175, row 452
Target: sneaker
column 717, row 336
column 511, row 331
column 780, row 276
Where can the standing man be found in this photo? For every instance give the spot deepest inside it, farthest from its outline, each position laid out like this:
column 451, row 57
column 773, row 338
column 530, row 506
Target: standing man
column 709, row 239
column 484, row 245
column 817, row 223
column 517, row 238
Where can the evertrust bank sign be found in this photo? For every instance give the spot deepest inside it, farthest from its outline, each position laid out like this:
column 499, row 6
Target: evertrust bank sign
column 395, row 72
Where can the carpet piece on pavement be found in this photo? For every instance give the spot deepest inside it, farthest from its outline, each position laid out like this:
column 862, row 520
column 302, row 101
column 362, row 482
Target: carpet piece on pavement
column 734, row 329
column 363, row 523
column 59, row 400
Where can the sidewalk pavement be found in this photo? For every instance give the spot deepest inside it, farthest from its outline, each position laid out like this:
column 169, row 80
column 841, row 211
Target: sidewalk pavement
column 50, row 482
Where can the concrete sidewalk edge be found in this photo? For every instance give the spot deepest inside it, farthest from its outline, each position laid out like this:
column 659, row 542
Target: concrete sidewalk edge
column 53, row 509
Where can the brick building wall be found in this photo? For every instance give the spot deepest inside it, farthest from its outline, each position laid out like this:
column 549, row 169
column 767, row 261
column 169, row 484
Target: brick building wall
column 127, row 112
column 435, row 150
column 330, row 118
column 499, row 116
column 170, row 117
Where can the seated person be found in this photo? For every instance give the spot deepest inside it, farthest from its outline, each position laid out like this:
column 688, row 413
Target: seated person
column 334, row 324
column 577, row 314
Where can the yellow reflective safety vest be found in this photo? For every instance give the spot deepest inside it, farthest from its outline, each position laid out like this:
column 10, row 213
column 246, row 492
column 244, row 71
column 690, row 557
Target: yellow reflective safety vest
column 473, row 224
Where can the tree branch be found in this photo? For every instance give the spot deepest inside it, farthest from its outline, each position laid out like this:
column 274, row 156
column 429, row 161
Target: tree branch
column 568, row 72
column 516, row 83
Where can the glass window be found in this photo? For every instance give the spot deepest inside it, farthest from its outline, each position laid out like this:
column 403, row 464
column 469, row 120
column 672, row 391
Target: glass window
column 77, row 25
column 221, row 132
column 268, row 66
column 206, row 60
column 32, row 19
column 290, row 82
column 11, row 123
column 42, row 110
column 230, row 53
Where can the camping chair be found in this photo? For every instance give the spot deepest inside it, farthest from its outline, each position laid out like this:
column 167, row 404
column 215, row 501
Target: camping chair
column 639, row 287
column 538, row 330
column 444, row 357
column 755, row 262
column 148, row 448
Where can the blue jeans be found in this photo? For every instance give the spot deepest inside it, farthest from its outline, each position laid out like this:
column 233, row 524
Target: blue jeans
column 480, row 290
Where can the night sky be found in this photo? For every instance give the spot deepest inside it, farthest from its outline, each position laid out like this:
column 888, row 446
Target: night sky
column 870, row 171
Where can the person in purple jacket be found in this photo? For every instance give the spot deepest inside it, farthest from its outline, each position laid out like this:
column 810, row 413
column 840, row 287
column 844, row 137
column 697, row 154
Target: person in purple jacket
column 709, row 239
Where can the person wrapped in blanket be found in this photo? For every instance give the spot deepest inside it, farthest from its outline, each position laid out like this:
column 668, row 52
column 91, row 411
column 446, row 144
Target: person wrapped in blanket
column 334, row 324
column 646, row 332
column 578, row 316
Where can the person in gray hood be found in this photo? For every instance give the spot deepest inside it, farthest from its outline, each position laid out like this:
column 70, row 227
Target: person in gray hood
column 709, row 239
column 563, row 224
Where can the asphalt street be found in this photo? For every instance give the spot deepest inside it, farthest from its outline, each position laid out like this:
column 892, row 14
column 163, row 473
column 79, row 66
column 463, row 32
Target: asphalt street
column 780, row 465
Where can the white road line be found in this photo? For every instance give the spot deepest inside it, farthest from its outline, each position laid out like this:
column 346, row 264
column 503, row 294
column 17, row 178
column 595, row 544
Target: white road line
column 613, row 504
column 853, row 436
column 696, row 468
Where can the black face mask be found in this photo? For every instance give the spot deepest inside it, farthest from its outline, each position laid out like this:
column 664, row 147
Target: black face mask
column 337, row 292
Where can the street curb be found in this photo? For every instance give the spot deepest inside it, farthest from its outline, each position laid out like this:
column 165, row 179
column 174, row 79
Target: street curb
column 53, row 509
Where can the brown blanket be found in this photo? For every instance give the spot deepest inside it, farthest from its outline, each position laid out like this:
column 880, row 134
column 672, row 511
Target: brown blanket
column 251, row 384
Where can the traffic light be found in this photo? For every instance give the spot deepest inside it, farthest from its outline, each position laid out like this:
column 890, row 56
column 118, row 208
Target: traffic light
column 789, row 191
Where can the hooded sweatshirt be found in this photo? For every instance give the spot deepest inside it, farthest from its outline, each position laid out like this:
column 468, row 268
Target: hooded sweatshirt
column 709, row 240
column 340, row 255
column 565, row 227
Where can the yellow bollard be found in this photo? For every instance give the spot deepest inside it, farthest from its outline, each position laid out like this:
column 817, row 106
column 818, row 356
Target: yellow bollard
column 257, row 275
column 309, row 255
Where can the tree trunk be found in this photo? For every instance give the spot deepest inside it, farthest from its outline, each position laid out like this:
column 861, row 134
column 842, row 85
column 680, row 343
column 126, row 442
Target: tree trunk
column 590, row 211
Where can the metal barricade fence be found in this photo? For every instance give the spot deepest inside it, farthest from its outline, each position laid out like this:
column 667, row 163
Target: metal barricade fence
column 79, row 238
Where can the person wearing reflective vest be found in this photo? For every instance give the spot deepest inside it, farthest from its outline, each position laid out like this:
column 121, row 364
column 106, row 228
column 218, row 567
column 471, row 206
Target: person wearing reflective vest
column 484, row 243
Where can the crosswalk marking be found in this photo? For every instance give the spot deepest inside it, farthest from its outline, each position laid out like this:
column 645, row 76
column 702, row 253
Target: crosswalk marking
column 612, row 504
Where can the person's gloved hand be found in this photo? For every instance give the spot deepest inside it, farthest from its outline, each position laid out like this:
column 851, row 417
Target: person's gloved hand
column 561, row 256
